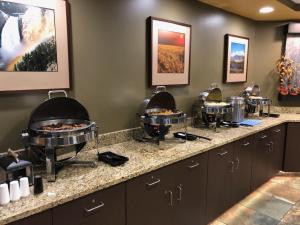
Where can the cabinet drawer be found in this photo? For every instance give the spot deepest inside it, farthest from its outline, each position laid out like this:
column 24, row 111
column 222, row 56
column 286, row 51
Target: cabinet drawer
column 98, row 208
column 44, row 218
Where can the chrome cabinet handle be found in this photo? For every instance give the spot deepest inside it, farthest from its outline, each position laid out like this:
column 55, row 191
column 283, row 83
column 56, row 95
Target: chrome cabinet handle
column 157, row 180
column 269, row 147
column 95, row 208
column 179, row 187
column 194, row 165
column 263, row 136
column 222, row 153
column 237, row 163
column 272, row 146
column 277, row 130
column 232, row 166
column 246, row 144
column 170, row 193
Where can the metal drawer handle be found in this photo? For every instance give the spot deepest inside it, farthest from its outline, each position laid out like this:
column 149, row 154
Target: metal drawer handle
column 179, row 187
column 95, row 208
column 246, row 144
column 277, row 131
column 170, row 197
column 194, row 166
column 154, row 182
column 222, row 153
column 263, row 136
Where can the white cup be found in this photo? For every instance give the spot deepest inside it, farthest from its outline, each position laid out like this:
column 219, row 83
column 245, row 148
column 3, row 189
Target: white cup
column 24, row 187
column 14, row 189
column 4, row 194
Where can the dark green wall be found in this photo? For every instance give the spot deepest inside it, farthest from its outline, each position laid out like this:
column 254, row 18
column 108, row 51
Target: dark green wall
column 109, row 60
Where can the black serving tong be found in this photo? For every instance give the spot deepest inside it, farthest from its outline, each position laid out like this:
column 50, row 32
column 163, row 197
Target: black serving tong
column 189, row 137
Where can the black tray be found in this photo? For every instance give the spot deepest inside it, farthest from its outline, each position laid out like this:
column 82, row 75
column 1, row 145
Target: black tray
column 112, row 158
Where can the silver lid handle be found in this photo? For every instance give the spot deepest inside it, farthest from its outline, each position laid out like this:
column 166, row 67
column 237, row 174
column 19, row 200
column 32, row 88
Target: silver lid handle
column 56, row 92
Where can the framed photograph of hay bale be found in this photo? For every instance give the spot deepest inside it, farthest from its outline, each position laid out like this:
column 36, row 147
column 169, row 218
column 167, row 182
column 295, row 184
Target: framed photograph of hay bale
column 33, row 45
column 170, row 52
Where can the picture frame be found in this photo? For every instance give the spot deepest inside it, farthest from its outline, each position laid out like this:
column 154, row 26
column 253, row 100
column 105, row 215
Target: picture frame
column 170, row 52
column 31, row 60
column 236, row 54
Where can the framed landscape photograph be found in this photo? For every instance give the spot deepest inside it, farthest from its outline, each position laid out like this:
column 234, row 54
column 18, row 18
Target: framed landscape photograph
column 33, row 45
column 170, row 52
column 236, row 59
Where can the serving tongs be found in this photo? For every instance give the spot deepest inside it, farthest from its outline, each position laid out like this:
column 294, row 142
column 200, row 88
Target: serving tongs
column 189, row 137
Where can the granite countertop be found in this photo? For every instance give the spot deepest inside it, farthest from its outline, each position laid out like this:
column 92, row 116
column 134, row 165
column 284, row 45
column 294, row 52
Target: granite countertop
column 74, row 182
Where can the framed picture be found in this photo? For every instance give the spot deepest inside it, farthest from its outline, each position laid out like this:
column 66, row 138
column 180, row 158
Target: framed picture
column 236, row 58
column 33, row 45
column 170, row 52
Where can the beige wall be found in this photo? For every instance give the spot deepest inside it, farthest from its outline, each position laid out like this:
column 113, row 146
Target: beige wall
column 109, row 60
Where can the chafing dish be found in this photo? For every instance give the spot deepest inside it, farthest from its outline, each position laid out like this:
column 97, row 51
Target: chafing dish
column 158, row 113
column 255, row 103
column 57, row 131
column 209, row 108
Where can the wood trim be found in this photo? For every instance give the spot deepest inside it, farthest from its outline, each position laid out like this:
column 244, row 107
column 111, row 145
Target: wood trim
column 291, row 4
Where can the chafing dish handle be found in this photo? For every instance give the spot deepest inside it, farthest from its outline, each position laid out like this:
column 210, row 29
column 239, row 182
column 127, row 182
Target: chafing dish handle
column 57, row 91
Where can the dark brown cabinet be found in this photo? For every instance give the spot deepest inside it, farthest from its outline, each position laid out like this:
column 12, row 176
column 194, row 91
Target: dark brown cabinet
column 292, row 152
column 191, row 177
column 278, row 137
column 220, row 169
column 106, row 207
column 229, row 176
column 171, row 195
column 241, row 184
column 44, row 218
column 268, row 155
column 261, row 159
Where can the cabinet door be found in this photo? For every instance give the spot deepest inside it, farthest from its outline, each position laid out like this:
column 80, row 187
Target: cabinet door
column 219, row 180
column 106, row 207
column 241, row 185
column 278, row 134
column 292, row 151
column 44, row 218
column 150, row 198
column 190, row 191
column 260, row 163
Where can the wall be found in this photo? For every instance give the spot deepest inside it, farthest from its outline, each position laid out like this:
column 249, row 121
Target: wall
column 109, row 60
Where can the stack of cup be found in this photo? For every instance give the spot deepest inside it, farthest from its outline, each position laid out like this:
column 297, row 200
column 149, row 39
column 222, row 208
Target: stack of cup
column 4, row 194
column 15, row 192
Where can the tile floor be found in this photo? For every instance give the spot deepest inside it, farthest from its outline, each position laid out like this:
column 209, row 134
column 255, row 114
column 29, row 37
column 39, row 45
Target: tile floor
column 275, row 203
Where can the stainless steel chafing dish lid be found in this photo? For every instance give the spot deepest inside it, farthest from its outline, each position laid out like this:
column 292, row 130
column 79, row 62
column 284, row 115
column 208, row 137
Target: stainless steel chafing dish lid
column 252, row 90
column 212, row 94
column 160, row 99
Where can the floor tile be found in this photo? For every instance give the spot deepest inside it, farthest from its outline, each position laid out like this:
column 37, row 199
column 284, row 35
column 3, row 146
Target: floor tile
column 292, row 217
column 281, row 191
column 240, row 215
column 267, row 205
column 290, row 180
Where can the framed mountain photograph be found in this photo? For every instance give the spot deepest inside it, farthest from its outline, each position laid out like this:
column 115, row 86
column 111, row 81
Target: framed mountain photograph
column 236, row 58
column 33, row 45
column 170, row 52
